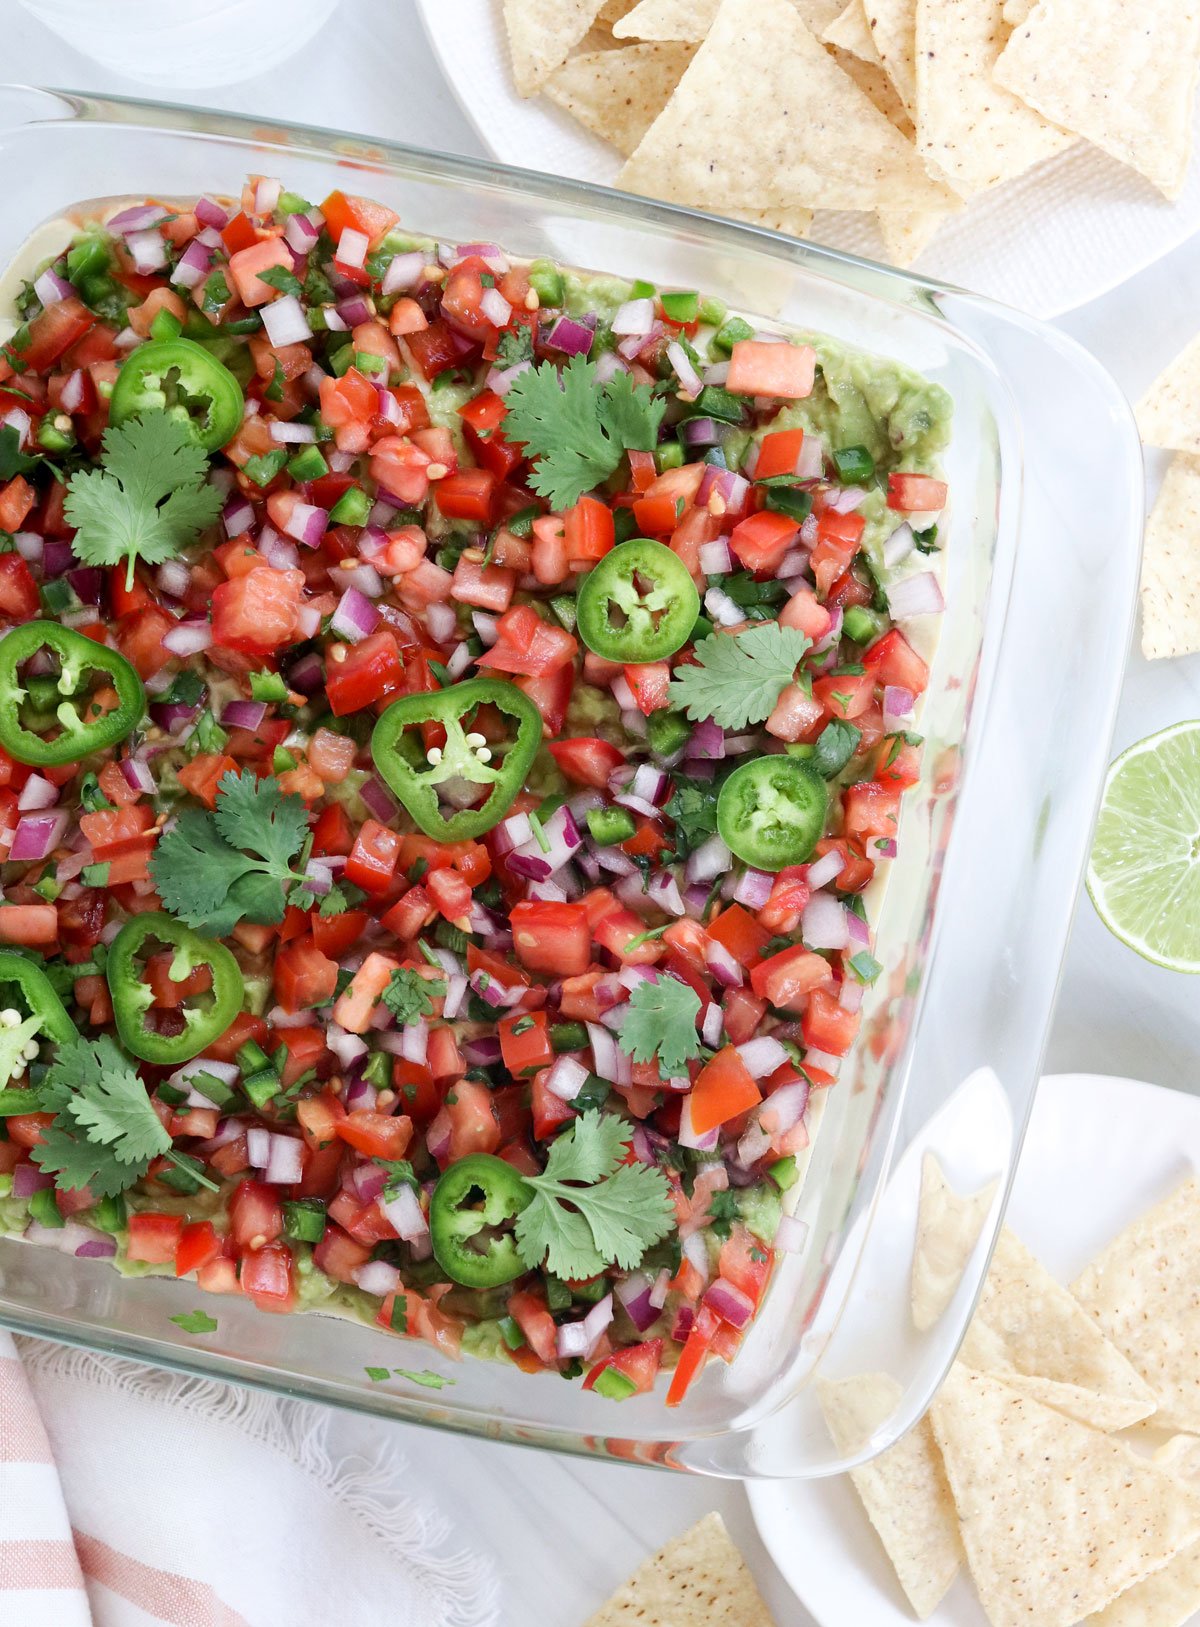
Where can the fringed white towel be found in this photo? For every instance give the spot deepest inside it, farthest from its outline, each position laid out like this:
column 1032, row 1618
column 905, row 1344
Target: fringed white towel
column 135, row 1498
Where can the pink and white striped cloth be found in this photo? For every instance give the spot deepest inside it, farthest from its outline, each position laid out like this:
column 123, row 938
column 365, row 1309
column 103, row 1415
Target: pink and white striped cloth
column 133, row 1498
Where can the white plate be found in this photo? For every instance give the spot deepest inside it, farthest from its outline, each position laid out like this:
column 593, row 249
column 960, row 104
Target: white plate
column 1048, row 241
column 1098, row 1153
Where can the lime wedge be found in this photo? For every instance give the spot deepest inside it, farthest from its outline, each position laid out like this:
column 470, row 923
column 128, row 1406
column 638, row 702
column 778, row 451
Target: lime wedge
column 1144, row 873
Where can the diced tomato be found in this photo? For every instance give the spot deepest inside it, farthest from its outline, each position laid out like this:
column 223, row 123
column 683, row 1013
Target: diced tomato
column 527, row 645
column 372, row 861
column 588, row 531
column 488, row 587
column 246, row 265
column 693, row 1356
column 318, row 1117
column 304, row 976
column 779, row 453
column 790, row 893
column 409, row 914
column 203, row 775
column 649, row 682
column 736, row 929
column 377, row 1135
column 257, row 612
column 550, row 1112
column 723, row 1089
column 153, row 1238
column 468, row 494
column 616, row 930
column 761, row 541
column 892, row 660
column 527, row 1307
column 482, row 418
column 525, row 1042
column 16, row 500
column 787, row 979
column 450, row 893
column 28, row 1129
column 638, row 1363
column 19, row 598
column 244, row 1027
column 665, row 501
column 434, row 348
column 471, row 1119
column 335, row 934
column 797, row 715
column 112, row 830
column 745, row 1263
column 367, row 672
column 916, row 494
column 804, row 613
column 551, row 937
column 758, row 367
column 743, row 1012
column 357, row 1001
column 339, row 1255
column 848, row 696
column 255, row 1215
column 345, row 210
column 871, row 810
column 198, row 1244
column 31, row 925
column 268, row 1277
column 828, row 1026
column 586, row 760
column 52, row 332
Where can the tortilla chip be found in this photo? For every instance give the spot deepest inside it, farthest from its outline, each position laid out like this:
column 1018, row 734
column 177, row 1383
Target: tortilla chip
column 972, row 131
column 1169, row 412
column 1171, row 565
column 1057, row 1519
column 1016, row 11
column 542, row 34
column 824, row 145
column 906, row 235
column 611, row 12
column 904, row 1491
column 1052, row 1350
column 877, row 87
column 698, row 1580
column 1121, row 73
column 794, row 222
column 1144, row 1289
column 849, row 32
column 690, row 20
column 948, row 1229
column 1169, row 1598
column 893, row 25
column 618, row 93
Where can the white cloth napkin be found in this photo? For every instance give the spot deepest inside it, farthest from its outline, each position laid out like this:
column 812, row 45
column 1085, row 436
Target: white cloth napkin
column 135, row 1498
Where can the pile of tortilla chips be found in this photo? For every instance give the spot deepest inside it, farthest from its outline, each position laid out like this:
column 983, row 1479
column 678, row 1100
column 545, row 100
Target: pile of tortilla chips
column 769, row 109
column 1168, row 416
column 1018, row 1469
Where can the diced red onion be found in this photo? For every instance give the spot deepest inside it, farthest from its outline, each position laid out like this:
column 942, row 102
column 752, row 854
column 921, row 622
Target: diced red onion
column 51, row 289
column 485, row 626
column 300, row 434
column 753, row 889
column 581, row 1338
column 258, row 1146
column 237, row 516
column 898, row 546
column 634, row 1292
column 722, row 608
column 710, row 1026
column 361, row 1097
column 636, row 316
column 352, row 248
column 193, row 266
column 710, row 860
column 570, row 337
column 722, row 965
column 406, row 1215
column 858, row 930
column 715, row 558
column 848, row 499
column 355, row 616
column 354, row 311
column 378, row 800
column 37, row 835
column 37, row 792
column 566, row 1078
column 285, row 1165
column 850, row 995
column 823, row 1060
column 683, row 369
column 188, row 638
column 414, row 1043
column 762, row 1056
column 377, row 1277
column 30, row 546
column 346, row 1047
column 28, row 1179
column 97, row 1248
column 663, row 891
column 825, row 869
column 137, row 775
column 307, row 524
column 897, row 703
column 243, row 714
column 148, row 250
column 285, row 322
column 604, row 1052
column 919, row 595
column 823, row 923
column 754, row 1144
column 442, row 621
column 495, row 307
column 811, row 463
column 728, row 1302
column 209, row 213
column 300, row 234
column 622, row 693
column 691, row 1138
column 404, row 272
column 791, row 1234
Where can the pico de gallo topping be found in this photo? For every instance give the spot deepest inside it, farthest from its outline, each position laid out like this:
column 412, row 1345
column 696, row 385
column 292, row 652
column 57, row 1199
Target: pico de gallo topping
column 452, row 711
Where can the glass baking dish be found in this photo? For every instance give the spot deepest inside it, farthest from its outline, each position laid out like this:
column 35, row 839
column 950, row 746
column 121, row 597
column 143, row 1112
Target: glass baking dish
column 1041, row 567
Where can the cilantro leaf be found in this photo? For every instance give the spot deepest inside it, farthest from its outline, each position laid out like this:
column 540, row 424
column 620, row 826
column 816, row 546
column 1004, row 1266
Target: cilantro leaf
column 105, row 1133
column 515, row 345
column 660, row 1025
column 201, row 872
column 577, row 429
column 377, row 1375
column 693, row 807
column 407, row 995
column 196, row 1322
column 430, row 1381
column 738, row 679
column 12, row 460
column 149, row 499
column 578, row 1229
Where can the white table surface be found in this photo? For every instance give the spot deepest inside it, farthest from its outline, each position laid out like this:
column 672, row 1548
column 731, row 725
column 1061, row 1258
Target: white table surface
column 565, row 1532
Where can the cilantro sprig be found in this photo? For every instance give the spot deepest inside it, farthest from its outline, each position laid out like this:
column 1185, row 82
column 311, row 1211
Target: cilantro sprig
column 105, row 1133
column 149, row 499
column 575, row 428
column 660, row 1025
column 739, row 678
column 407, row 995
column 214, row 869
column 590, row 1209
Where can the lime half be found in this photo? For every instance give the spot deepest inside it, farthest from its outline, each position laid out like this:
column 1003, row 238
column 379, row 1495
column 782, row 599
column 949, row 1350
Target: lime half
column 1144, row 873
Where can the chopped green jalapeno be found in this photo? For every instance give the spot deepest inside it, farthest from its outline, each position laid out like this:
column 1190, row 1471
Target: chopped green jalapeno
column 854, row 464
column 771, row 811
column 187, row 382
column 206, row 1015
column 467, row 759
column 83, row 726
column 471, row 1202
column 638, row 604
column 30, row 1011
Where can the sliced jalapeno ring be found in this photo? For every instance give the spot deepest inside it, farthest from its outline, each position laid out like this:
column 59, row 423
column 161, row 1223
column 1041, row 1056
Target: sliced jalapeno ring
column 477, row 1194
column 771, row 812
column 206, row 1014
column 187, row 382
column 30, row 1011
column 84, row 727
column 467, row 759
column 638, row 604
